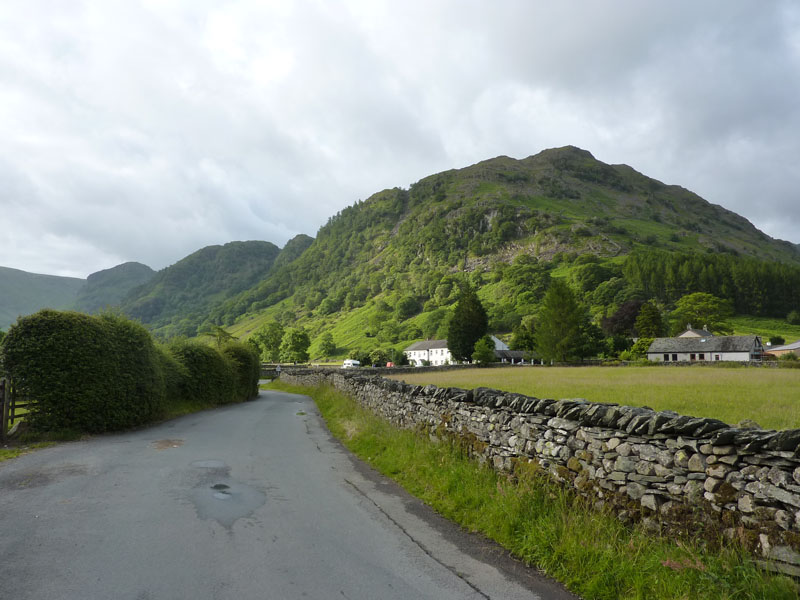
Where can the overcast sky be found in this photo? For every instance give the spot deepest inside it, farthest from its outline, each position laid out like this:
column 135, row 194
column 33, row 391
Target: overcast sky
column 146, row 129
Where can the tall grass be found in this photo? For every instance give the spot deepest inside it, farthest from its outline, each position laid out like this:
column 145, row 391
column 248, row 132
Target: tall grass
column 771, row 397
column 591, row 552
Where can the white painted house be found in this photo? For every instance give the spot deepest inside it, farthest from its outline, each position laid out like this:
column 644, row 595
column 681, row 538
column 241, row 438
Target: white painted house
column 712, row 348
column 436, row 352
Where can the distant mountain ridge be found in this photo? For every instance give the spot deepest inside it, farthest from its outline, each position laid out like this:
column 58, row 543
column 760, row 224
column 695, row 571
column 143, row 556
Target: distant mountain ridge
column 385, row 270
column 22, row 293
column 177, row 300
column 559, row 203
column 107, row 288
column 173, row 301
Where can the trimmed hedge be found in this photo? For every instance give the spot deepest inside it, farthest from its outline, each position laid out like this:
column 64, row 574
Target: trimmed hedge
column 247, row 369
column 211, row 378
column 84, row 373
column 94, row 374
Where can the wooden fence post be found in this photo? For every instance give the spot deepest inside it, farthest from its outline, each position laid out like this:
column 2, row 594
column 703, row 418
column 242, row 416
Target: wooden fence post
column 5, row 399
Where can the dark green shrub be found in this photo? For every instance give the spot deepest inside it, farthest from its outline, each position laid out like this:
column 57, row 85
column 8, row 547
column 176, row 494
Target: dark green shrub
column 247, row 369
column 138, row 381
column 211, row 378
column 88, row 374
column 175, row 375
column 789, row 364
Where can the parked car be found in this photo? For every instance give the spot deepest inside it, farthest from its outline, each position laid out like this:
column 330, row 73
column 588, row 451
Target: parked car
column 350, row 364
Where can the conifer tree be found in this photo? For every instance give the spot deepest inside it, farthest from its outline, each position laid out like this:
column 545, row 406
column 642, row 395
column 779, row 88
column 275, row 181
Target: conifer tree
column 468, row 324
column 559, row 334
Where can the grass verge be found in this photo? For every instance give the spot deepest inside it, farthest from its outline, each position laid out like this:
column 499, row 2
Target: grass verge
column 591, row 552
column 14, row 452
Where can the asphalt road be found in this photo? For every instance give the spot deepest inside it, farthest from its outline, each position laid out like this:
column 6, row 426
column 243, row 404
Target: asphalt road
column 250, row 501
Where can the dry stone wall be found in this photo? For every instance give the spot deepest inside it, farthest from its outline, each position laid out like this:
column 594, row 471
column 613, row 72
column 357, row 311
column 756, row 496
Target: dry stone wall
column 672, row 472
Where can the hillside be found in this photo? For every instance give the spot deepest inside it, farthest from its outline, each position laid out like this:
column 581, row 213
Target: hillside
column 177, row 299
column 388, row 266
column 24, row 293
column 107, row 288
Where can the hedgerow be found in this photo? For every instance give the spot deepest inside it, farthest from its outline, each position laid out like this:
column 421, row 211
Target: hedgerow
column 211, row 376
column 247, row 369
column 84, row 373
column 102, row 373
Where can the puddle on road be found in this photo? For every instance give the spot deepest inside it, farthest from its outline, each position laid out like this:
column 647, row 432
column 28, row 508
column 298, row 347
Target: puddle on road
column 164, row 444
column 226, row 502
column 220, row 498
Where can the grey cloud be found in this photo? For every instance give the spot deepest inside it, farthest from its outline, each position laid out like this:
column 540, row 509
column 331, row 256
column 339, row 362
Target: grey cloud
column 146, row 130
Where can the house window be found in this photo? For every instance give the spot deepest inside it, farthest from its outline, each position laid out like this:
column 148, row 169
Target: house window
column 666, row 358
column 692, row 357
column 702, row 356
column 674, row 357
column 716, row 357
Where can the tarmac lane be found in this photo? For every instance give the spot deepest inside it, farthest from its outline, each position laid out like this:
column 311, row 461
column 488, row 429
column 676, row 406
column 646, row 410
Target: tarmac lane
column 248, row 501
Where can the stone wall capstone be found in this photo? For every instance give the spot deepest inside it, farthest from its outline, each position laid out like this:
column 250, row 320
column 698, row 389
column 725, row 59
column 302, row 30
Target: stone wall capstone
column 672, row 472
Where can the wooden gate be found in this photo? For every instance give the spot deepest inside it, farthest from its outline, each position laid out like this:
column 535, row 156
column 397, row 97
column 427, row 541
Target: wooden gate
column 11, row 407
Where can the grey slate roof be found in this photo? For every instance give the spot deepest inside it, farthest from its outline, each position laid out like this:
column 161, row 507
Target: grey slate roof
column 793, row 346
column 427, row 345
column 697, row 332
column 717, row 343
column 510, row 354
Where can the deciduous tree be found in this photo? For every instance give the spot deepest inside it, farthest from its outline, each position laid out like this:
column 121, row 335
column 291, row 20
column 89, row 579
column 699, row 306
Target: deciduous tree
column 327, row 347
column 294, row 346
column 702, row 310
column 649, row 322
column 269, row 338
column 523, row 335
column 484, row 351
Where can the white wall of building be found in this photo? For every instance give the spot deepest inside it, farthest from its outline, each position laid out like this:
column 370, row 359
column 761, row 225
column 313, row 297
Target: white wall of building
column 706, row 356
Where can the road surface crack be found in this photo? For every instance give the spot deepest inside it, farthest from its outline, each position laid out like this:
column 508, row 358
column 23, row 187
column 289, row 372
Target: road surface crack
column 419, row 544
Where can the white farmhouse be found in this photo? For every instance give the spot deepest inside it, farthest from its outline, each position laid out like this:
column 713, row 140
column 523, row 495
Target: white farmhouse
column 712, row 348
column 436, row 352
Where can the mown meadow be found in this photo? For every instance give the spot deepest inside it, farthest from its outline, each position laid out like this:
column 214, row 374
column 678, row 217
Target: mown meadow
column 768, row 396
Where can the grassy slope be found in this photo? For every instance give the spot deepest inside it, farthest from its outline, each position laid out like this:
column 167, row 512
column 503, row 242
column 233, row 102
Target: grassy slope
column 771, row 397
column 592, row 553
column 765, row 327
column 25, row 293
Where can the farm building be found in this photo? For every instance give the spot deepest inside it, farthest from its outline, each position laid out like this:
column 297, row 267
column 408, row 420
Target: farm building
column 781, row 350
column 739, row 348
column 435, row 352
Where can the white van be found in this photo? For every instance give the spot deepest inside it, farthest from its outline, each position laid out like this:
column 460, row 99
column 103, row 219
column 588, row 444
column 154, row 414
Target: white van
column 350, row 364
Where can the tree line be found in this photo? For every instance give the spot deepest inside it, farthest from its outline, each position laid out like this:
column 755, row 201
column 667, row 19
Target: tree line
column 754, row 287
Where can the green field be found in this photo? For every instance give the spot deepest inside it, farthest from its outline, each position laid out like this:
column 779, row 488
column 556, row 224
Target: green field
column 771, row 397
